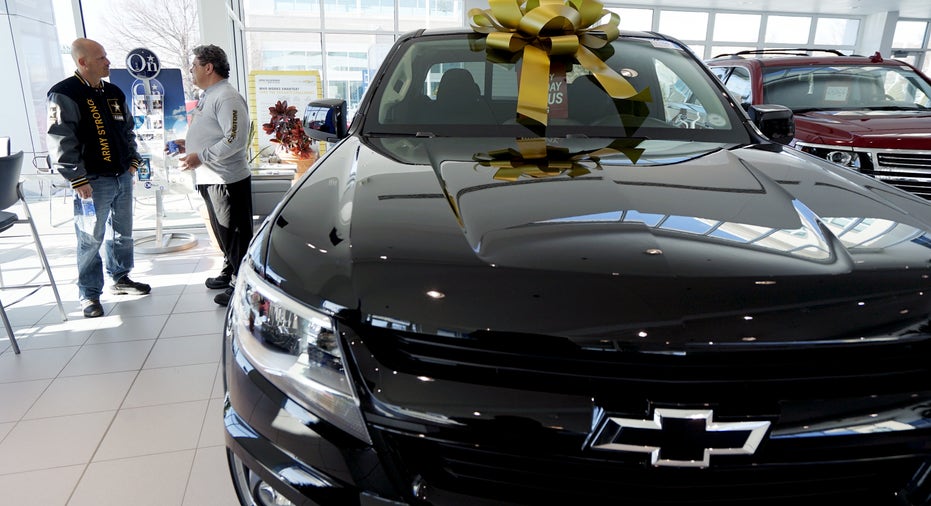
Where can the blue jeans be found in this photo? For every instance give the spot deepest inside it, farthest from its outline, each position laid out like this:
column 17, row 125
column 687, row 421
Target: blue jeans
column 113, row 221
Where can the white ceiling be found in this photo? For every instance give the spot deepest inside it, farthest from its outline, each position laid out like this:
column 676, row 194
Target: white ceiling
column 920, row 9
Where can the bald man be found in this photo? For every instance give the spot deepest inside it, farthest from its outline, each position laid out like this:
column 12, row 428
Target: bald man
column 92, row 144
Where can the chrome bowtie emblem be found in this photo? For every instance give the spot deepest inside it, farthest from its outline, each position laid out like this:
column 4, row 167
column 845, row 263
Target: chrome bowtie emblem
column 680, row 437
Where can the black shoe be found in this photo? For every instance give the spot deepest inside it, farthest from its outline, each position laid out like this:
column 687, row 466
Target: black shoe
column 92, row 308
column 126, row 286
column 221, row 281
column 224, row 297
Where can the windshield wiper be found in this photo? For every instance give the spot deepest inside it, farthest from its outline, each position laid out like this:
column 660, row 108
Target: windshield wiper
column 803, row 110
column 400, row 134
column 913, row 107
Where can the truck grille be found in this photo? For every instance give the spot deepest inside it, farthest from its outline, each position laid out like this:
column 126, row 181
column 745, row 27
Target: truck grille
column 908, row 170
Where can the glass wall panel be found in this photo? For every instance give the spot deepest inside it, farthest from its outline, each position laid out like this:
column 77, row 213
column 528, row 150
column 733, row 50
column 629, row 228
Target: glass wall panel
column 909, row 34
column 349, row 66
column 684, row 25
column 725, row 50
column 787, row 29
column 284, row 51
column 282, row 14
column 64, row 24
column 836, row 31
column 737, row 27
column 415, row 14
column 634, row 19
column 359, row 15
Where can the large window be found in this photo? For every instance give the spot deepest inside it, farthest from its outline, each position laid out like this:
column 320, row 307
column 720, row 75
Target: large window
column 911, row 43
column 712, row 32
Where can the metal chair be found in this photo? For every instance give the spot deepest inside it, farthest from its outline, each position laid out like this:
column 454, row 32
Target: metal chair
column 11, row 192
column 56, row 184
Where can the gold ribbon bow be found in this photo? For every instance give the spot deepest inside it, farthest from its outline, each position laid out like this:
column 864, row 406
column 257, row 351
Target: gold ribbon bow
column 534, row 158
column 544, row 28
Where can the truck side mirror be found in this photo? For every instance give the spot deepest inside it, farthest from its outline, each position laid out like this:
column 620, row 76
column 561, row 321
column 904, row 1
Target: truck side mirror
column 775, row 121
column 325, row 120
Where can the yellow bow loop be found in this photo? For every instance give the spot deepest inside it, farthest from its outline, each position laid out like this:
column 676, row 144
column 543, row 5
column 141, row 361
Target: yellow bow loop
column 536, row 159
column 544, row 28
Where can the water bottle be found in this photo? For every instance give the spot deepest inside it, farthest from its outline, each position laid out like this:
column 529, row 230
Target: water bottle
column 88, row 207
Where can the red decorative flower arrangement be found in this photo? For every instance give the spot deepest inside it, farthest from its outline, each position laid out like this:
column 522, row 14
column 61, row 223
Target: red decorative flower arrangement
column 289, row 130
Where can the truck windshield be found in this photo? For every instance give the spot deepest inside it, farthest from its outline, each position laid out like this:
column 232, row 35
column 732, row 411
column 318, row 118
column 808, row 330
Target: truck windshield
column 846, row 87
column 450, row 86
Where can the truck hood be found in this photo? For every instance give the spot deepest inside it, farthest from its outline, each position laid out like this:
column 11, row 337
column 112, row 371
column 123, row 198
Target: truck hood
column 655, row 244
column 866, row 128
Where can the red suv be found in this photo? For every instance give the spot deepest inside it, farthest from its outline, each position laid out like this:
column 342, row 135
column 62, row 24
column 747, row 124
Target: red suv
column 867, row 113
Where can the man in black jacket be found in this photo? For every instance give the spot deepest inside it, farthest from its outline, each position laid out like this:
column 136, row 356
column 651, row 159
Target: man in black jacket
column 92, row 144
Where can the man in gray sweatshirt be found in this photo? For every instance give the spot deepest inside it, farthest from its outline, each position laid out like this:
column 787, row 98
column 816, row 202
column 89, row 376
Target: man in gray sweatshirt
column 215, row 148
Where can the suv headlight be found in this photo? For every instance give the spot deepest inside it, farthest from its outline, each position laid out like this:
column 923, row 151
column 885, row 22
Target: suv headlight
column 296, row 348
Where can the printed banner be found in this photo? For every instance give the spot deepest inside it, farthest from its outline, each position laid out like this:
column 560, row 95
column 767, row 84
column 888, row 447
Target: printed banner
column 266, row 87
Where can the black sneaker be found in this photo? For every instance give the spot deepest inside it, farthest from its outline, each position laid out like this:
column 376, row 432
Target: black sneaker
column 126, row 286
column 224, row 297
column 221, row 281
column 92, row 308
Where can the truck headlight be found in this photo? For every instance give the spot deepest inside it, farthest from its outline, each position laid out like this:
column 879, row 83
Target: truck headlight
column 845, row 158
column 296, row 348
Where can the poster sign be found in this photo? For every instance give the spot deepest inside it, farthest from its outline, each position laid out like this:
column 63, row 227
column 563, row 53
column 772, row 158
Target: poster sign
column 266, row 87
column 158, row 109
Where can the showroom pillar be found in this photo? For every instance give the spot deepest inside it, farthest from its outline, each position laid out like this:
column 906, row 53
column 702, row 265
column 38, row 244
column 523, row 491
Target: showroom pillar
column 222, row 26
column 876, row 34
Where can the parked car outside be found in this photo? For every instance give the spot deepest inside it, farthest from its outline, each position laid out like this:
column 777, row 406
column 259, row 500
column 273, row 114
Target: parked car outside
column 867, row 113
column 477, row 298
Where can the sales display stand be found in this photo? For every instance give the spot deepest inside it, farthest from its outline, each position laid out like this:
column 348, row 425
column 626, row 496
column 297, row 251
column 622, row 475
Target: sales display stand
column 148, row 109
column 162, row 242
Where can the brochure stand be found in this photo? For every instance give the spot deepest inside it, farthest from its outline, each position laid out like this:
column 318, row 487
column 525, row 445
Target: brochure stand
column 149, row 113
column 162, row 242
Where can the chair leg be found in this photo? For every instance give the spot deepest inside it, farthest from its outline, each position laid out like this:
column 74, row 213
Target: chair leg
column 41, row 251
column 9, row 329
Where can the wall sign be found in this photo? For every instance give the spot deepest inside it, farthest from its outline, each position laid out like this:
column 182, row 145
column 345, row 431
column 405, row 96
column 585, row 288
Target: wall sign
column 142, row 63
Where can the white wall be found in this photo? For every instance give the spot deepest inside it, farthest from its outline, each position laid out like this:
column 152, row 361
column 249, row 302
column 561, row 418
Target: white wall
column 876, row 34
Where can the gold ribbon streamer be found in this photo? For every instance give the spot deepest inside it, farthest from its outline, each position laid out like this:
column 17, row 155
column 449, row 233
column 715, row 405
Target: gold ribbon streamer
column 544, row 28
column 534, row 158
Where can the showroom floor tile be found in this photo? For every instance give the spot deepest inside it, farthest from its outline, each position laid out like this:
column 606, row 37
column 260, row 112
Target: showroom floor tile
column 122, row 409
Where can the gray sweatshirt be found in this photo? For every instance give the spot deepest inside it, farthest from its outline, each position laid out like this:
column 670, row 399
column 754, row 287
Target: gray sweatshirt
column 219, row 134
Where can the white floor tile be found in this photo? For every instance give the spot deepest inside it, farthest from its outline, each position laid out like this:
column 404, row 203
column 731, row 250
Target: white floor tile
column 210, row 482
column 213, row 433
column 197, row 300
column 69, row 425
column 172, row 351
column 149, row 305
column 51, row 336
column 195, row 324
column 52, row 442
column 218, row 390
column 24, row 313
column 16, row 398
column 34, row 364
column 154, row 429
column 82, row 394
column 45, row 487
column 151, row 480
column 109, row 357
column 129, row 328
column 171, row 385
